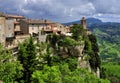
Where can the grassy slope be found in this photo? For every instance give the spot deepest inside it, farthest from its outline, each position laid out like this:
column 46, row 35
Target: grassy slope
column 109, row 50
column 110, row 53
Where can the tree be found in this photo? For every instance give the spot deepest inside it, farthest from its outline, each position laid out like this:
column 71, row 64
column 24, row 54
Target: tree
column 77, row 31
column 91, row 49
column 47, row 57
column 53, row 39
column 27, row 57
column 72, row 62
column 95, row 59
column 10, row 69
column 67, row 41
column 47, row 75
column 87, row 47
column 111, row 70
column 93, row 40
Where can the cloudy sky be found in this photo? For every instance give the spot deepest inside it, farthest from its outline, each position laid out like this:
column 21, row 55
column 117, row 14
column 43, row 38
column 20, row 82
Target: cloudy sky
column 63, row 10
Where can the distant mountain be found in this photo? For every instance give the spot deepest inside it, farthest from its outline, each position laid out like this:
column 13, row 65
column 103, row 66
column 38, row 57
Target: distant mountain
column 96, row 23
column 70, row 23
column 93, row 21
column 89, row 21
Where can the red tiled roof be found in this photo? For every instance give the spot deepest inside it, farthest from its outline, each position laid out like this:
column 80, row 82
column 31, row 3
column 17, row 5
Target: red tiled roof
column 14, row 16
column 32, row 21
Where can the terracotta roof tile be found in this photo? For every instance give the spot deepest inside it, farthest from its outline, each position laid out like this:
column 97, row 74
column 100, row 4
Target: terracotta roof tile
column 14, row 16
column 35, row 21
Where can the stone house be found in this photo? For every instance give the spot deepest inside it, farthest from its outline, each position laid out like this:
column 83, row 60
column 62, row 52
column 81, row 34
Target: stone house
column 12, row 28
column 61, row 28
column 29, row 26
column 15, row 21
column 9, row 29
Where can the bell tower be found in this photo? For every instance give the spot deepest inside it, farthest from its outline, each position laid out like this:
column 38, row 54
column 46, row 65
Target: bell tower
column 83, row 23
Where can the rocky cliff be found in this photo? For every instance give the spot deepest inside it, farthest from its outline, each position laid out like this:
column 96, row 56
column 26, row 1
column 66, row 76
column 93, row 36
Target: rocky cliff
column 84, row 49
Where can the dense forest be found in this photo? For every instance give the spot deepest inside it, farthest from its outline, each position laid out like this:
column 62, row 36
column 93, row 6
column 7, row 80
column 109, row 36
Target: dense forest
column 42, row 62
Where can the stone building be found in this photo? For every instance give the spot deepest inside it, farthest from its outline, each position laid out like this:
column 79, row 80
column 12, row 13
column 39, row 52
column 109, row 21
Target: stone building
column 61, row 28
column 15, row 29
column 9, row 28
column 29, row 26
column 13, row 25
column 12, row 28
column 36, row 28
column 2, row 29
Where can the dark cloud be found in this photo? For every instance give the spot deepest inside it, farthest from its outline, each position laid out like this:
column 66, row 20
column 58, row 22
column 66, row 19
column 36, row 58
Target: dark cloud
column 63, row 10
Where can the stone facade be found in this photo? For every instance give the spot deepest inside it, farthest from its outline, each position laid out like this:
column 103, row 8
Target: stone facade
column 42, row 37
column 63, row 29
column 12, row 29
column 17, row 30
column 2, row 30
column 9, row 28
column 29, row 26
column 15, row 22
column 24, row 27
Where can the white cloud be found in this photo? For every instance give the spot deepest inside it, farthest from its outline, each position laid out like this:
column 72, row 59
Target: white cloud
column 62, row 10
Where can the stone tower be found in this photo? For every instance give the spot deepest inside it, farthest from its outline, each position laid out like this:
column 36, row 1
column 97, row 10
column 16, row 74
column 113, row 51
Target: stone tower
column 83, row 23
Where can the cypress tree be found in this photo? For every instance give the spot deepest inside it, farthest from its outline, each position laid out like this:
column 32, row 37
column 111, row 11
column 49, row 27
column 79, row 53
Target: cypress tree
column 27, row 57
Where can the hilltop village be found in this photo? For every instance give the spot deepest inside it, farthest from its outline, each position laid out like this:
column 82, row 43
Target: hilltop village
column 14, row 29
column 48, row 43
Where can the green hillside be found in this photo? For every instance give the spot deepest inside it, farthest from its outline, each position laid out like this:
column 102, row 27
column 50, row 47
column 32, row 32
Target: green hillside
column 108, row 36
column 109, row 43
